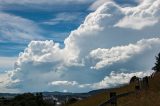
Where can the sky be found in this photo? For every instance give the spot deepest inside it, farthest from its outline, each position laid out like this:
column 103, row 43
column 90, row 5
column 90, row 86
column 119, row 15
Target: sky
column 76, row 45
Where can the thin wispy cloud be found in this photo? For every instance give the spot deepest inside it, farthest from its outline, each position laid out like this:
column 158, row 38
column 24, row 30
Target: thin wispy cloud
column 65, row 17
column 15, row 29
column 26, row 2
column 41, row 4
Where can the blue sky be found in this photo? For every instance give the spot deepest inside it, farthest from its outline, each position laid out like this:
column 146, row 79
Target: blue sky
column 47, row 20
column 55, row 22
column 56, row 30
column 104, row 41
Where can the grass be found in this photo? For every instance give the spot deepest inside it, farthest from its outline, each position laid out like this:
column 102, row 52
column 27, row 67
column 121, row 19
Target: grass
column 148, row 97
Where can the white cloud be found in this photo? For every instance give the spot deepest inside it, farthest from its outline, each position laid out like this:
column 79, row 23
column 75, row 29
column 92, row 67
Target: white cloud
column 99, row 27
column 125, row 3
column 97, row 4
column 112, row 80
column 139, row 23
column 146, row 14
column 40, row 51
column 5, row 81
column 115, row 79
column 107, row 57
column 43, row 62
column 71, row 84
column 63, row 83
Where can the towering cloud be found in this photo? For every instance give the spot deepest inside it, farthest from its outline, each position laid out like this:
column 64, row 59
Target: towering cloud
column 123, row 40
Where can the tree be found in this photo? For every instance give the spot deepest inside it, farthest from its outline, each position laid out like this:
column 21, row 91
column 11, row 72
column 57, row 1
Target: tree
column 134, row 79
column 156, row 68
column 39, row 98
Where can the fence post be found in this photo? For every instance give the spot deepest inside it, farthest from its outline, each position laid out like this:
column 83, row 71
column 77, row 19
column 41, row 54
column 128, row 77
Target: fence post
column 113, row 99
column 137, row 89
column 146, row 82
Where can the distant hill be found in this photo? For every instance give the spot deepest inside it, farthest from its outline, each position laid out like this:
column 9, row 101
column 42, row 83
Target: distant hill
column 59, row 95
column 145, row 97
column 50, row 98
column 74, row 94
column 8, row 95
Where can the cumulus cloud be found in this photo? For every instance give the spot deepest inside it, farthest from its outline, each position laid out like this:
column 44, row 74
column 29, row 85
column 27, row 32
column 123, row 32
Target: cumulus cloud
column 63, row 83
column 107, row 57
column 125, row 3
column 146, row 14
column 100, row 24
column 5, row 81
column 112, row 80
column 70, row 83
column 115, row 79
column 97, row 4
column 123, row 50
column 47, row 62
column 40, row 51
column 131, row 22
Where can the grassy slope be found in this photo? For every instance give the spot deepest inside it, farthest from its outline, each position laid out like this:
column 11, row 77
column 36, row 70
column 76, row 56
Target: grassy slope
column 149, row 97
